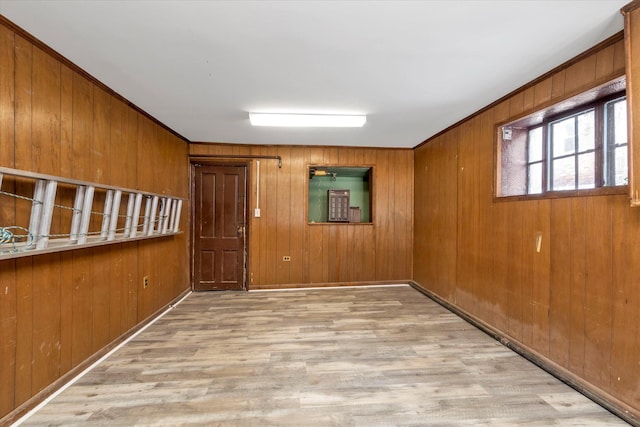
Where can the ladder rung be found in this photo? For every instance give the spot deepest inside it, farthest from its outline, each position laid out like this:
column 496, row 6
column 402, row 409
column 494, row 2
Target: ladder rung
column 176, row 219
column 77, row 213
column 36, row 210
column 85, row 216
column 128, row 219
column 47, row 214
column 152, row 215
column 106, row 214
column 147, row 213
column 166, row 206
column 158, row 222
column 172, row 215
column 115, row 210
column 135, row 218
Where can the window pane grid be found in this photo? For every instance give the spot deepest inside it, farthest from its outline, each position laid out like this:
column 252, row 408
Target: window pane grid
column 616, row 157
column 573, row 138
column 534, row 177
column 582, row 150
column 575, row 155
column 535, row 160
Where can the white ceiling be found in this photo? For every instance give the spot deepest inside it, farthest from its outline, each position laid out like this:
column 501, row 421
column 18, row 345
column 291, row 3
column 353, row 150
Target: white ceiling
column 414, row 67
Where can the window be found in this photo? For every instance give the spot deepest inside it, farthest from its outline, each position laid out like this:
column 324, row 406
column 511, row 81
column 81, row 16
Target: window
column 565, row 148
column 340, row 194
column 617, row 142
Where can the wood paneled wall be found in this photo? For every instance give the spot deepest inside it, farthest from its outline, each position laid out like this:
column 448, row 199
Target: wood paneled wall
column 575, row 302
column 325, row 253
column 57, row 310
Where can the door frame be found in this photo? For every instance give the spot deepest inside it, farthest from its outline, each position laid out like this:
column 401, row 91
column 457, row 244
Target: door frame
column 195, row 162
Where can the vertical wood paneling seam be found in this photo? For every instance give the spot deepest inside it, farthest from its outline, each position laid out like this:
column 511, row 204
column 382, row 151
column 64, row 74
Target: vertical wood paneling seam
column 15, row 215
column 60, row 258
column 33, row 346
column 584, row 294
column 374, row 214
column 597, row 62
column 523, row 302
column 73, row 313
column 550, row 280
column 31, row 164
column 275, row 223
column 454, row 291
column 548, row 284
column 306, row 275
column 572, row 332
column 15, row 88
column 289, row 245
column 31, row 108
column 612, row 299
column 90, row 272
column 19, row 132
column 11, row 395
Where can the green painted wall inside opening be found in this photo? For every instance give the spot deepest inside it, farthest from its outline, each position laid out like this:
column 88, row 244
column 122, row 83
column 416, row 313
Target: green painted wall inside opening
column 358, row 186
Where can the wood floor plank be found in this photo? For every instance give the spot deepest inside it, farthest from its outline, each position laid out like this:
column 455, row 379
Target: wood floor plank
column 333, row 357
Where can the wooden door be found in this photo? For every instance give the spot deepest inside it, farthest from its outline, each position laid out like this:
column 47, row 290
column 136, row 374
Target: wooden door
column 219, row 238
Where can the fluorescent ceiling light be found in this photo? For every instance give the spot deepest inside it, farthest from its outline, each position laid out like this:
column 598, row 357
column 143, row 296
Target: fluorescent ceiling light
column 307, row 120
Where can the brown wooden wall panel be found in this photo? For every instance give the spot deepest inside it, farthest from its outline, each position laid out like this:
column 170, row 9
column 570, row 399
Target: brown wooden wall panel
column 297, row 236
column 557, row 84
column 542, row 92
column 580, row 74
column 116, row 302
column 384, row 209
column 24, row 326
column 482, row 191
column 283, row 220
column 577, row 280
column 8, row 301
column 269, row 259
column 435, row 222
column 101, row 279
column 570, row 302
column 403, row 219
column 66, row 313
column 560, row 281
column 541, row 282
column 515, row 280
column 526, row 283
column 47, row 312
column 58, row 310
column 369, row 247
column 605, row 61
column 324, row 253
column 45, row 97
column 598, row 291
column 8, row 336
column 626, row 299
column 82, row 307
column 467, row 238
column 82, row 126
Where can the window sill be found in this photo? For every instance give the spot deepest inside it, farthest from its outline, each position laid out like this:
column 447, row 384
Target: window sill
column 603, row 191
column 340, row 223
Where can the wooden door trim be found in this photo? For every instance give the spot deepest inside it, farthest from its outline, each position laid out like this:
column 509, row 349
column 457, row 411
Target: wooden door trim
column 193, row 163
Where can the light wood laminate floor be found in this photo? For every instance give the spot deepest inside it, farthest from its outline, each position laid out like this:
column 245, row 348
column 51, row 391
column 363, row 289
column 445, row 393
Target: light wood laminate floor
column 382, row 356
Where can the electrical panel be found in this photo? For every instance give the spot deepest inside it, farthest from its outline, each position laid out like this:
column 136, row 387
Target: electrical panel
column 338, row 205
